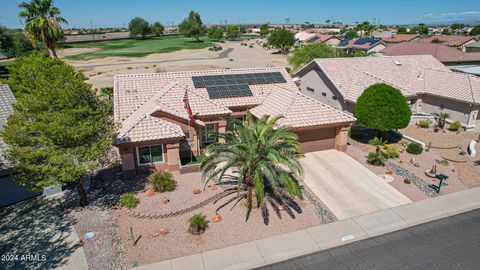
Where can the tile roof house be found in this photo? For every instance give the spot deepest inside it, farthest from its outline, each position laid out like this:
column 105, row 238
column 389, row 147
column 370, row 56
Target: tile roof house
column 398, row 38
column 458, row 42
column 6, row 100
column 445, row 54
column 10, row 192
column 156, row 131
column 367, row 45
column 473, row 47
column 428, row 85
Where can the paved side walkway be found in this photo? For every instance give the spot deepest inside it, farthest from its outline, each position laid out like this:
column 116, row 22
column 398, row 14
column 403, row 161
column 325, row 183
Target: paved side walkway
column 306, row 241
column 346, row 186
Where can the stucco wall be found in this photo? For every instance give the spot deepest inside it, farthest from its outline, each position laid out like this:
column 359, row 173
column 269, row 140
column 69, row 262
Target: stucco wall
column 316, row 80
column 457, row 110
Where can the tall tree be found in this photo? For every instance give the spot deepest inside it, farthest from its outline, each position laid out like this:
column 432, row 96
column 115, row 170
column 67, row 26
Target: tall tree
column 265, row 155
column 192, row 26
column 139, row 27
column 264, row 30
column 282, row 39
column 233, row 32
column 475, row 31
column 157, row 29
column 309, row 52
column 382, row 107
column 215, row 33
column 43, row 23
column 60, row 130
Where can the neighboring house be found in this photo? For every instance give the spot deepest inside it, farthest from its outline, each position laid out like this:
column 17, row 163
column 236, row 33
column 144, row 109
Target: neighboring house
column 428, row 85
column 473, row 47
column 381, row 34
column 331, row 40
column 435, row 31
column 305, row 37
column 398, row 38
column 155, row 130
column 10, row 192
column 366, row 45
column 459, row 42
column 445, row 54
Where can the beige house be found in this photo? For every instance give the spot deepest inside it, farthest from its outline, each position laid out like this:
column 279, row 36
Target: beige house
column 428, row 85
column 156, row 131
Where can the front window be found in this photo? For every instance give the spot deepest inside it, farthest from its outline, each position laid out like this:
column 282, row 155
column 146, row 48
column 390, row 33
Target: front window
column 150, row 154
column 208, row 137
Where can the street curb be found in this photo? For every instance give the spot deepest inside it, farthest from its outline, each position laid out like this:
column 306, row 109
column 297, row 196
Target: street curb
column 306, row 241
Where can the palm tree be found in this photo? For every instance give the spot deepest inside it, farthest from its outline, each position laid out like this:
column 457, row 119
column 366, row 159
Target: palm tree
column 266, row 157
column 42, row 23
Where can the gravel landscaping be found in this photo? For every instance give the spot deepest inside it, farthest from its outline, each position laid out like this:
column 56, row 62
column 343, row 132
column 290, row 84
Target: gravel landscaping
column 155, row 245
column 403, row 168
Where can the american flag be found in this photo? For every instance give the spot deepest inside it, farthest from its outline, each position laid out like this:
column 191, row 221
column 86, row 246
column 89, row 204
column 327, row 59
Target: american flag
column 186, row 105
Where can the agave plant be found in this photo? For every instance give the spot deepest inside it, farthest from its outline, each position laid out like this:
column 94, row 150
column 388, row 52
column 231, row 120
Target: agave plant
column 264, row 159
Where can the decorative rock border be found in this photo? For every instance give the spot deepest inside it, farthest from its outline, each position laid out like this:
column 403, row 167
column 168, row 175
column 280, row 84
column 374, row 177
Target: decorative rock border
column 135, row 214
column 419, row 182
column 321, row 212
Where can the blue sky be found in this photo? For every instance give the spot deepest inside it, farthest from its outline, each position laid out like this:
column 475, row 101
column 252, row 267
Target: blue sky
column 119, row 12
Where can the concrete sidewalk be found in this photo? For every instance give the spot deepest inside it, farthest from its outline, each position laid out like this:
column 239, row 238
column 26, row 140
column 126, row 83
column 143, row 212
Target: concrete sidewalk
column 286, row 246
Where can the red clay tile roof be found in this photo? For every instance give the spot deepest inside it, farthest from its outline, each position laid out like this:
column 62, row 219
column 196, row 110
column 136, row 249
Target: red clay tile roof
column 400, row 38
column 411, row 74
column 442, row 52
column 299, row 110
column 132, row 91
column 447, row 40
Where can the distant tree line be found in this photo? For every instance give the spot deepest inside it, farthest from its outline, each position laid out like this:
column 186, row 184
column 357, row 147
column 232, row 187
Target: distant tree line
column 140, row 28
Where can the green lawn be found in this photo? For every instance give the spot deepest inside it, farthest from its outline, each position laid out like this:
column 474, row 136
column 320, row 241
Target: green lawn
column 6, row 63
column 137, row 48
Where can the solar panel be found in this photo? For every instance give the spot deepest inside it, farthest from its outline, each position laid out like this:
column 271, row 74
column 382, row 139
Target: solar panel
column 226, row 91
column 235, row 85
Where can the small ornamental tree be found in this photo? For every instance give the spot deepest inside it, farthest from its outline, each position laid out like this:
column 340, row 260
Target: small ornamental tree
column 60, row 130
column 192, row 26
column 139, row 27
column 215, row 33
column 382, row 107
column 264, row 30
column 157, row 29
column 233, row 32
column 282, row 39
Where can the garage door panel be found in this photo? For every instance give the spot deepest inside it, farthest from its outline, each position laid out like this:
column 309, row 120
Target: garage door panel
column 317, row 140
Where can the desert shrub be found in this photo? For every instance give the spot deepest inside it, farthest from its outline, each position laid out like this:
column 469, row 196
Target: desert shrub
column 162, row 181
column 198, row 224
column 377, row 158
column 391, row 151
column 415, row 148
column 376, row 141
column 129, row 200
column 455, row 126
column 424, row 123
column 444, row 162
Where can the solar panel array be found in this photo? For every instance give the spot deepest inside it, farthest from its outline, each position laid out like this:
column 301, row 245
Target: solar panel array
column 235, row 85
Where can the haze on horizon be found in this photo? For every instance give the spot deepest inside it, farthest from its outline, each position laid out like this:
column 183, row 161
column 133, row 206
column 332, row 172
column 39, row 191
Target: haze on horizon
column 117, row 13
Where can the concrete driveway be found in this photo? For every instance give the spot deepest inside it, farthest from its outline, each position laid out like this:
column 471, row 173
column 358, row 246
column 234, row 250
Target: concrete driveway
column 346, row 186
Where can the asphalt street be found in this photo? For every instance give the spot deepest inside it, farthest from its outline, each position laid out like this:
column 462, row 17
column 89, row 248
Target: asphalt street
column 450, row 243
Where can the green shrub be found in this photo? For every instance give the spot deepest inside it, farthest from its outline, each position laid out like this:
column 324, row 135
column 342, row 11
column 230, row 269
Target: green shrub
column 129, row 200
column 424, row 123
column 376, row 141
column 162, row 181
column 377, row 158
column 455, row 126
column 198, row 224
column 444, row 162
column 415, row 148
column 391, row 151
